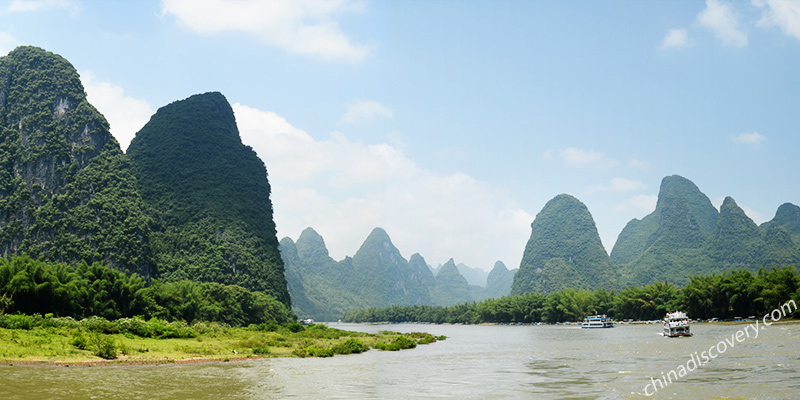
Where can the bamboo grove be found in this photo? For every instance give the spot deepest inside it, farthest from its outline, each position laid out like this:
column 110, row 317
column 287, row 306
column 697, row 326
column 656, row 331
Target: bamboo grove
column 31, row 286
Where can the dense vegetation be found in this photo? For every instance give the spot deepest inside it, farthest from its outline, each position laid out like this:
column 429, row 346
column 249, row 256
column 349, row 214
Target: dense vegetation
column 209, row 197
column 733, row 294
column 66, row 190
column 686, row 235
column 64, row 340
column 564, row 251
column 499, row 281
column 30, row 286
column 377, row 276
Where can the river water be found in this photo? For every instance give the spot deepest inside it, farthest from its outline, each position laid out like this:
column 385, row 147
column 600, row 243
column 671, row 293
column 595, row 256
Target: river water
column 475, row 362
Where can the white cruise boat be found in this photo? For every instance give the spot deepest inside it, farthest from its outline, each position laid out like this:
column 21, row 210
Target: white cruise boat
column 597, row 321
column 676, row 324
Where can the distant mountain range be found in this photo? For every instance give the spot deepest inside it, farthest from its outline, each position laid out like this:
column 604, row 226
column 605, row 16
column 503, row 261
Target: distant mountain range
column 684, row 236
column 376, row 276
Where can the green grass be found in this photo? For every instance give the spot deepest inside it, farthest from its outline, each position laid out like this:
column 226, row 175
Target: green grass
column 77, row 345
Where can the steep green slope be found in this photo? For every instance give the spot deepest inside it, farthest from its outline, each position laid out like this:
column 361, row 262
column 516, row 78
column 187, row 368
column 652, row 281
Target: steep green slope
column 474, row 276
column 674, row 250
column 788, row 217
column 210, row 197
column 386, row 276
column 66, row 190
column 736, row 242
column 451, row 287
column 321, row 288
column 675, row 191
column 499, row 281
column 564, row 251
column 675, row 241
column 376, row 276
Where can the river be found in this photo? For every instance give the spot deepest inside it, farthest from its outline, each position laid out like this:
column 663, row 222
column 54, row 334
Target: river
column 475, row 362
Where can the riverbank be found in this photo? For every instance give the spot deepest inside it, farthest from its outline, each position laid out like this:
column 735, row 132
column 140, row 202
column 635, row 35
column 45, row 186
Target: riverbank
column 77, row 346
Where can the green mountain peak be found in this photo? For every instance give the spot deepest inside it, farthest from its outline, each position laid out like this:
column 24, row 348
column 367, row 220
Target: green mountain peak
column 210, row 195
column 564, row 250
column 66, row 189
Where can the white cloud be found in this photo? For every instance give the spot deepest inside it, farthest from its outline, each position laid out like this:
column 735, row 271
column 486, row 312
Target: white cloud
column 7, row 43
column 641, row 203
column 637, row 164
column 365, row 111
column 675, row 39
column 298, row 26
column 749, row 138
column 574, row 157
column 73, row 6
column 757, row 216
column 344, row 189
column 721, row 19
column 784, row 14
column 125, row 114
column 620, row 185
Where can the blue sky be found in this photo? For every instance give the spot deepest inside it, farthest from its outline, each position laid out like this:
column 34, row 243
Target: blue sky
column 450, row 124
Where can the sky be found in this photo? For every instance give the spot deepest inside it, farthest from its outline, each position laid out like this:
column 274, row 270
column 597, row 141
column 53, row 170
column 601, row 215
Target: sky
column 450, row 124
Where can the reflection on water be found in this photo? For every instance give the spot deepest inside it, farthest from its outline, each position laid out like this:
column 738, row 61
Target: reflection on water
column 475, row 362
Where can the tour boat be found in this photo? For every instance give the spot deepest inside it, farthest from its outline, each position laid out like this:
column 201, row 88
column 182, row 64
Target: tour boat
column 597, row 321
column 676, row 324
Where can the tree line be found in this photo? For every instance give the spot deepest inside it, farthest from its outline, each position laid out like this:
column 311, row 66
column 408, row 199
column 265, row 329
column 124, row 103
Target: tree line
column 739, row 293
column 30, row 286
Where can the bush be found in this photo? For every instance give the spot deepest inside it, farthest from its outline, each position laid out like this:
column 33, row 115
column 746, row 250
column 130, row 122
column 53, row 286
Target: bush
column 350, row 346
column 17, row 321
column 134, row 326
column 79, row 340
column 104, row 347
column 100, row 324
column 260, row 350
column 271, row 326
column 315, row 351
column 399, row 343
column 422, row 338
column 294, row 327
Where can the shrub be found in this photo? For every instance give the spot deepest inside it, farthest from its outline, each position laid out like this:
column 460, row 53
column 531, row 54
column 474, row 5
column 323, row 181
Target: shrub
column 270, row 326
column 260, row 350
column 350, row 346
column 295, row 327
column 302, row 353
column 79, row 340
column 17, row 321
column 399, row 343
column 422, row 338
column 100, row 324
column 104, row 347
column 134, row 326
column 315, row 351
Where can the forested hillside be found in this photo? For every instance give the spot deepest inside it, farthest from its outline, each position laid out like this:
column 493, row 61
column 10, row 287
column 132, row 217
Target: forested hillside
column 686, row 235
column 209, row 197
column 564, row 251
column 376, row 276
column 66, row 190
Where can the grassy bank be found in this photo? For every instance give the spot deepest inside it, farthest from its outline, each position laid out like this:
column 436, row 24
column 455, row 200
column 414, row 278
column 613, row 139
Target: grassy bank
column 95, row 341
